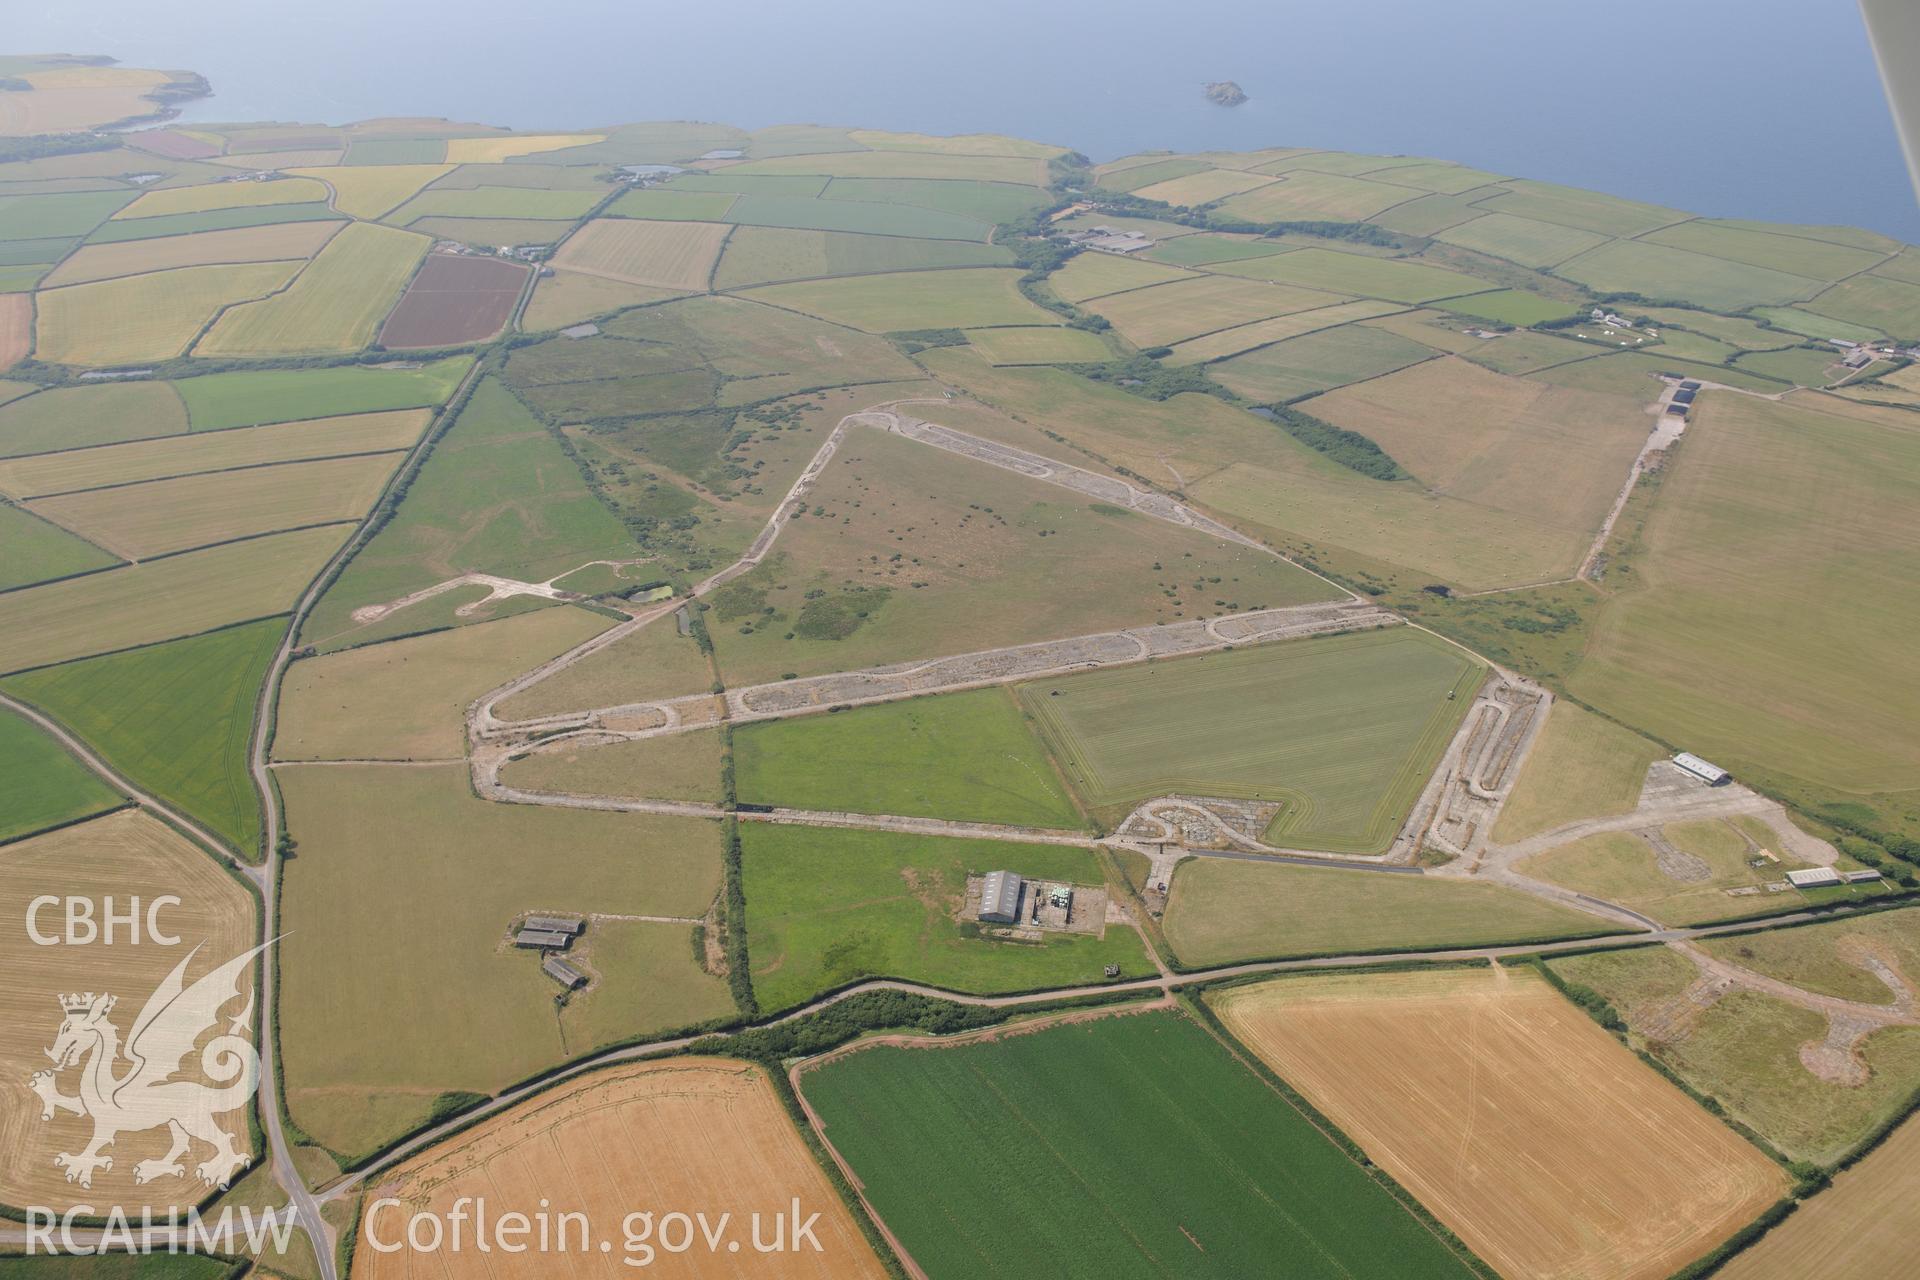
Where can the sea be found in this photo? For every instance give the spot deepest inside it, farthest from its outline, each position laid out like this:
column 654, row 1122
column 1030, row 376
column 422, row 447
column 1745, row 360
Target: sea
column 1767, row 109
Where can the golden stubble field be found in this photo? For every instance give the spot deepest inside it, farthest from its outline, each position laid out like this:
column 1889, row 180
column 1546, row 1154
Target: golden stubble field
column 123, row 854
column 687, row 1135
column 1521, row 1124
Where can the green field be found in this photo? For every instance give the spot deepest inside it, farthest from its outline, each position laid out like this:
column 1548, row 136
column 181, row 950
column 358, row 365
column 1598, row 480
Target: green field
column 247, row 399
column 1522, row 240
column 182, row 224
column 1891, row 306
column 1516, row 307
column 1660, row 271
column 1198, row 251
column 1802, row 366
column 989, row 202
column 1095, row 275
column 1126, row 1145
column 672, row 206
column 1394, row 279
column 1317, row 362
column 828, row 907
column 175, row 718
column 1572, row 207
column 38, row 550
column 1796, row 320
column 764, row 255
column 967, row 756
column 962, row 299
column 496, row 202
column 69, row 213
column 1521, row 352
column 332, row 306
column 1342, row 731
column 1224, row 911
column 898, row 219
column 397, row 980
column 41, row 785
column 160, row 599
column 1039, row 345
column 1744, row 1052
column 1794, row 253
column 497, row 495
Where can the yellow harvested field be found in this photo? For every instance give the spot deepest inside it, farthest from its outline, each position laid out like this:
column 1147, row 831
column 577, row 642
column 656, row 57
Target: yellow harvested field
column 1860, row 1228
column 1261, row 333
column 275, row 242
column 568, row 297
column 1539, row 1139
column 666, row 255
column 1554, row 455
column 498, row 149
column 369, row 190
column 75, row 99
column 223, row 195
column 126, row 854
column 45, row 473
column 407, row 699
column 157, row 517
column 693, row 1132
column 1199, row 188
column 1169, row 313
column 335, row 303
column 148, row 317
column 16, row 327
column 177, row 596
column 1582, row 767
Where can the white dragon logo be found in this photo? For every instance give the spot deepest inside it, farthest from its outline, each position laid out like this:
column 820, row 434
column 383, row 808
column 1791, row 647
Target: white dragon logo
column 146, row 1096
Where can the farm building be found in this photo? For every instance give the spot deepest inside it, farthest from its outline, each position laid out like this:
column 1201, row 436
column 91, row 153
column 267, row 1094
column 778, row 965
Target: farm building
column 1000, row 898
column 542, row 940
column 1813, row 877
column 1711, row 774
column 563, row 973
column 1865, row 876
column 569, row 925
column 1684, row 396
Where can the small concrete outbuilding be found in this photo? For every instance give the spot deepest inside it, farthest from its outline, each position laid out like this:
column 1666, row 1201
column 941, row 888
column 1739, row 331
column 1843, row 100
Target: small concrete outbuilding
column 1000, row 898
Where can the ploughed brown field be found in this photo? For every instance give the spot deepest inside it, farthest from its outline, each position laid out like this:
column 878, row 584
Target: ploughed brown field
column 454, row 299
column 1551, row 1150
column 681, row 1136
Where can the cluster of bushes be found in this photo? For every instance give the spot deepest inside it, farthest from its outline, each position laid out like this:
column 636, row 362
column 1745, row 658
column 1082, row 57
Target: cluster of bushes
column 914, row 341
column 1348, row 448
column 41, row 146
column 1144, row 375
column 845, row 1019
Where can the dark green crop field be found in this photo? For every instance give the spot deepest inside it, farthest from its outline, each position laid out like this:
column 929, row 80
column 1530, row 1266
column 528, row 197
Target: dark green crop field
column 1123, row 1146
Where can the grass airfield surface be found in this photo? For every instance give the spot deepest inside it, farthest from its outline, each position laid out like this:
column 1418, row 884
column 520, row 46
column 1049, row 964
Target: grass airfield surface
column 1342, row 732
